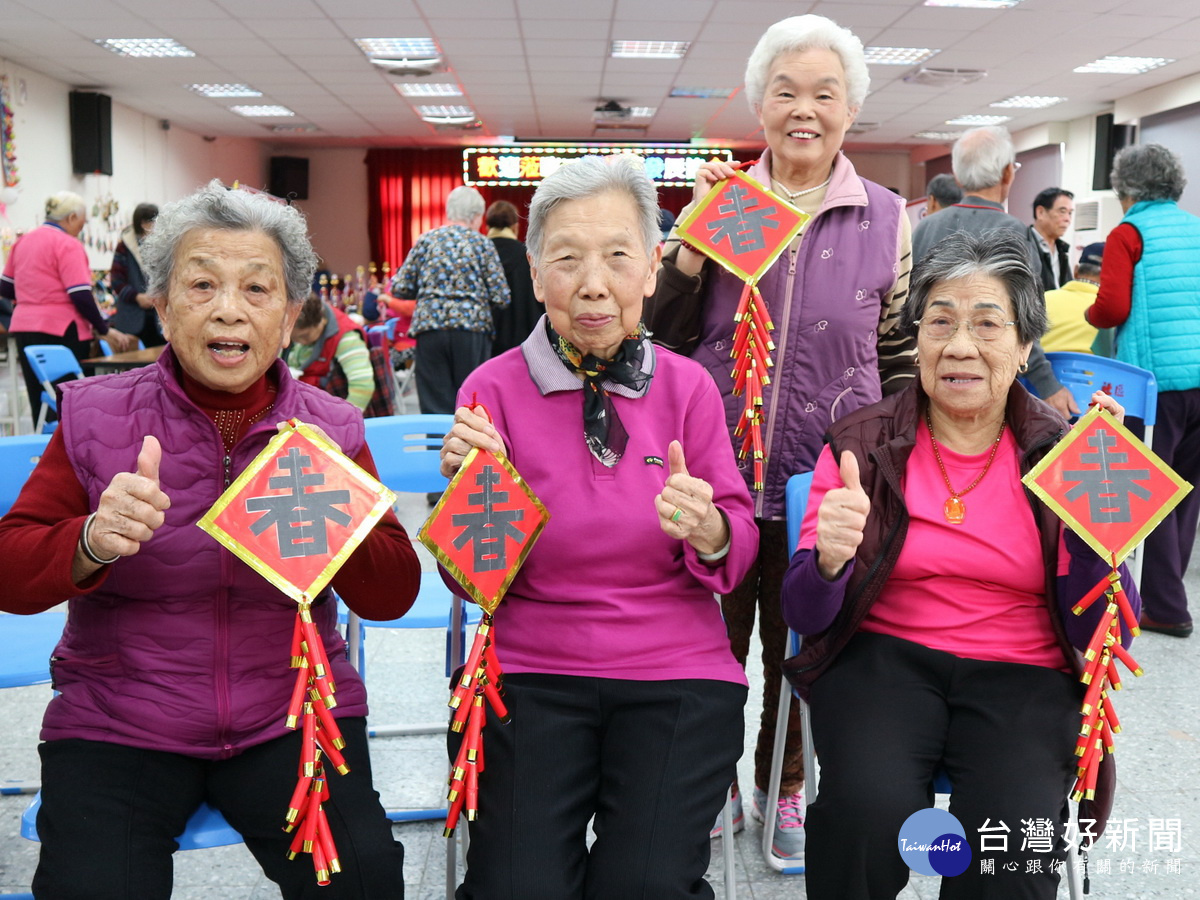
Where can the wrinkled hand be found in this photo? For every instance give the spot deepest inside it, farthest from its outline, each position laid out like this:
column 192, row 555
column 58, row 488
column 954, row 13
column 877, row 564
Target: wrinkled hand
column 708, row 174
column 1064, row 401
column 470, row 430
column 1099, row 398
column 119, row 341
column 685, row 507
column 841, row 519
column 131, row 508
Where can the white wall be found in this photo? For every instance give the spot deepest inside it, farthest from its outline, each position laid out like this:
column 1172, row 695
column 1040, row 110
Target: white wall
column 149, row 163
column 336, row 207
column 889, row 169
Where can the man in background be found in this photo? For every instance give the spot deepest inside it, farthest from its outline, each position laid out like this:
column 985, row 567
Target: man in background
column 941, row 192
column 1053, row 209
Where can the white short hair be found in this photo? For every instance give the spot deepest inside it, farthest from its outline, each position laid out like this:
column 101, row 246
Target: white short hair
column 807, row 33
column 980, row 157
column 63, row 204
column 463, row 204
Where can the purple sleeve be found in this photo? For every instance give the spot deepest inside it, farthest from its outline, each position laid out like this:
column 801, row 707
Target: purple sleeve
column 810, row 603
column 1086, row 570
column 85, row 303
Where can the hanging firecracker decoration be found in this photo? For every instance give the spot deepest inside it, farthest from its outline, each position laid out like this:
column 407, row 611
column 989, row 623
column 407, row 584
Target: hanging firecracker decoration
column 1111, row 490
column 295, row 515
column 744, row 228
column 481, row 531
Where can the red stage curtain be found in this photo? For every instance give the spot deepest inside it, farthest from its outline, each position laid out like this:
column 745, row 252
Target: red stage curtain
column 408, row 190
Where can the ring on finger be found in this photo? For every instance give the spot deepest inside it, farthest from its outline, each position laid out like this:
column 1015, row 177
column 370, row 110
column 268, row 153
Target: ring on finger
column 677, row 515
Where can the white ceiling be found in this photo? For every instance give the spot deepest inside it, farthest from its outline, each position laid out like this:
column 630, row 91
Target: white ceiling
column 537, row 68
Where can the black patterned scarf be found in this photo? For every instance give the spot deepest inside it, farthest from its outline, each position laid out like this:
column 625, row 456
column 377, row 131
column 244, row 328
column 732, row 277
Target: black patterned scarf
column 602, row 429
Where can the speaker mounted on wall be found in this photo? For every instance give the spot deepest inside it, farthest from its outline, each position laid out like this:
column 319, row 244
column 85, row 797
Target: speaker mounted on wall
column 1110, row 140
column 91, row 133
column 289, row 177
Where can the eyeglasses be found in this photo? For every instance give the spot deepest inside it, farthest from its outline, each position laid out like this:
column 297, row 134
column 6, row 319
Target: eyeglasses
column 940, row 327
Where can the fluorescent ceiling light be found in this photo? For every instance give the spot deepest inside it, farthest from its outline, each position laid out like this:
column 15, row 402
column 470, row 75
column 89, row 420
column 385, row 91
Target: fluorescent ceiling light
column 642, row 112
column 293, row 129
column 422, row 89
column 420, row 48
column 265, row 111
column 897, row 56
column 1023, row 101
column 426, row 112
column 1123, row 65
column 938, row 135
column 978, row 120
column 224, row 90
column 649, row 49
column 974, row 4
column 703, row 93
column 144, row 46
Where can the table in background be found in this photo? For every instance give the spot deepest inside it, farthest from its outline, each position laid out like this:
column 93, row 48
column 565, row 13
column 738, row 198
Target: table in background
column 119, row 362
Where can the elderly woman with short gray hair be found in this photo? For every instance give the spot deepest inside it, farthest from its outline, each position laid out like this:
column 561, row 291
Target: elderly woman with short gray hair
column 455, row 275
column 626, row 701
column 171, row 677
column 1150, row 292
column 48, row 271
column 934, row 594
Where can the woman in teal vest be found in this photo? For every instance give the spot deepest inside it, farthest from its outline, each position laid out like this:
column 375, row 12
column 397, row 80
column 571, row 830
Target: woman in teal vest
column 1150, row 291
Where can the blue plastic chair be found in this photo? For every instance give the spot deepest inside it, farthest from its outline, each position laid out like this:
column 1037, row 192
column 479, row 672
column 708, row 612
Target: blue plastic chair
column 206, row 828
column 51, row 362
column 19, row 455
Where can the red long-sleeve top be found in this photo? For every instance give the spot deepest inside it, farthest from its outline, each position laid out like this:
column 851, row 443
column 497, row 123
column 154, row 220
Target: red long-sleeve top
column 41, row 531
column 1122, row 251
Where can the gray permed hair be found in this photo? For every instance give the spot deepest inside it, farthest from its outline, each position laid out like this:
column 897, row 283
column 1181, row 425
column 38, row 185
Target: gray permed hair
column 1003, row 255
column 806, row 33
column 217, row 207
column 588, row 177
column 463, row 204
column 1148, row 172
column 980, row 156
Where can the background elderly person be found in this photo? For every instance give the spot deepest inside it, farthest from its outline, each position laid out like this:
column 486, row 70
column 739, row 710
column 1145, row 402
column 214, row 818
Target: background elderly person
column 942, row 191
column 171, row 675
column 327, row 347
column 935, row 596
column 1150, row 291
column 514, row 322
column 456, row 278
column 835, row 297
column 626, row 701
column 135, row 307
column 48, row 277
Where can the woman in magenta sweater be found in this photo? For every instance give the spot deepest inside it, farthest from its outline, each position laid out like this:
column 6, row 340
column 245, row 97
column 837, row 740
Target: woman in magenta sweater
column 935, row 597
column 626, row 700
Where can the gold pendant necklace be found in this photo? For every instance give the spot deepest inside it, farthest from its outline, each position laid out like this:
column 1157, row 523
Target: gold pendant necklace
column 954, row 509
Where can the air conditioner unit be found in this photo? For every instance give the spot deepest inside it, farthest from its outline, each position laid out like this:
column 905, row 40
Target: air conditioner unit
column 1094, row 219
column 931, row 76
column 418, row 68
column 612, row 111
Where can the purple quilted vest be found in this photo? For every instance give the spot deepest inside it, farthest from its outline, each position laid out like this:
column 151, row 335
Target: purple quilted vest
column 183, row 648
column 825, row 300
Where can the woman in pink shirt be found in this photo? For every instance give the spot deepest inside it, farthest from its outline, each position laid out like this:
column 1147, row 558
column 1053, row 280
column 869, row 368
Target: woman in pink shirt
column 48, row 278
column 626, row 699
column 935, row 595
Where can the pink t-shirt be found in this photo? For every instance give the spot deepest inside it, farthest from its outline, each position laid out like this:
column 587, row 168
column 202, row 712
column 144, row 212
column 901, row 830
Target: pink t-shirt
column 976, row 590
column 43, row 265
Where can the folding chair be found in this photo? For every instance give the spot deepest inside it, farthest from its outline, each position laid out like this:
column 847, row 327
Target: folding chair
column 1134, row 388
column 50, row 362
column 19, row 455
column 798, row 487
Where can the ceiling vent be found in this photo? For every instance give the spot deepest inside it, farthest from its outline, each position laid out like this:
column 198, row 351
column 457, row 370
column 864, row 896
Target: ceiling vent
column 402, row 67
column 931, row 76
column 1087, row 215
column 862, row 127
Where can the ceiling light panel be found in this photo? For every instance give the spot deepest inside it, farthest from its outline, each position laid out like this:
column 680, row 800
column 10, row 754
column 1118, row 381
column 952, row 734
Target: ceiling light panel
column 897, row 56
column 974, row 4
column 224, row 90
column 263, row 111
column 441, row 112
column 702, row 93
column 978, row 120
column 938, row 135
column 144, row 47
column 421, row 89
column 649, row 49
column 406, row 48
column 1022, row 101
column 1123, row 65
column 642, row 112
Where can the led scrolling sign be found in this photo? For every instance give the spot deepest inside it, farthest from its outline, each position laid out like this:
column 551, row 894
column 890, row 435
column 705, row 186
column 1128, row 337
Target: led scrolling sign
column 524, row 166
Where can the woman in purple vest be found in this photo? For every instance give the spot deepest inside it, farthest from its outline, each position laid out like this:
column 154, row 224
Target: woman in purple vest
column 172, row 675
column 835, row 296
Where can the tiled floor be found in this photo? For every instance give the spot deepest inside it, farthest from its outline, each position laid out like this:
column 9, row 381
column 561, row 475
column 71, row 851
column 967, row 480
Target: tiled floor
column 1158, row 755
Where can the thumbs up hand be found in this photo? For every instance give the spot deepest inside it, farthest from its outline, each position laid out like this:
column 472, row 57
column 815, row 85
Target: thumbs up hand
column 131, row 509
column 685, row 507
column 841, row 519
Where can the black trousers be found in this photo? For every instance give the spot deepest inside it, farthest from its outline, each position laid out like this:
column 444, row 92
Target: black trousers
column 444, row 360
column 650, row 760
column 70, row 339
column 886, row 716
column 110, row 815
